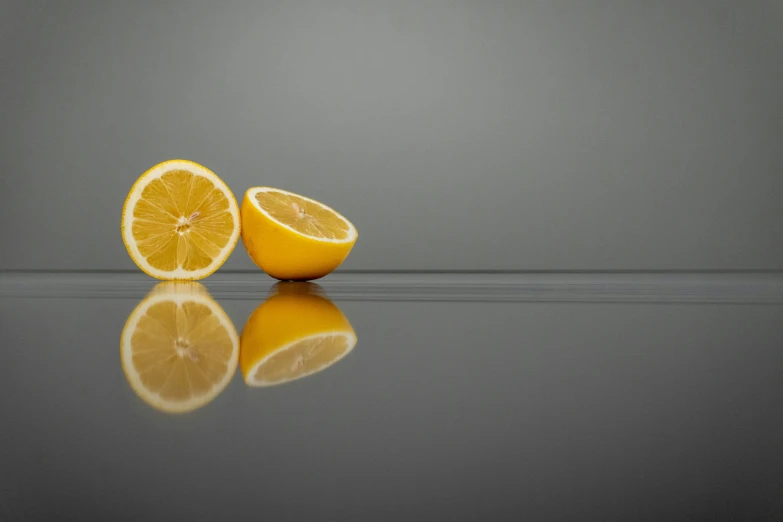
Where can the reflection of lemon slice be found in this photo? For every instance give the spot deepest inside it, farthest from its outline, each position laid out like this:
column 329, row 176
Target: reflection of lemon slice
column 293, row 334
column 179, row 349
column 293, row 237
column 180, row 221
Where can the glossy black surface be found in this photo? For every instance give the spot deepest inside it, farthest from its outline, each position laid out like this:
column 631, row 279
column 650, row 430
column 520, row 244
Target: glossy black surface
column 467, row 397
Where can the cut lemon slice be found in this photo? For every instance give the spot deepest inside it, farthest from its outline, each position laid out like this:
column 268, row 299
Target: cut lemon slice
column 295, row 333
column 179, row 349
column 292, row 237
column 180, row 221
column 300, row 359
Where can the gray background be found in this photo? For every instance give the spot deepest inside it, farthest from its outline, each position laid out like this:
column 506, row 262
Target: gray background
column 455, row 135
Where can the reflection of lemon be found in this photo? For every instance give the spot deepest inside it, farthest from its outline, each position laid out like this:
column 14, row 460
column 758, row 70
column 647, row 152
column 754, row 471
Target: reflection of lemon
column 293, row 237
column 180, row 221
column 295, row 333
column 179, row 349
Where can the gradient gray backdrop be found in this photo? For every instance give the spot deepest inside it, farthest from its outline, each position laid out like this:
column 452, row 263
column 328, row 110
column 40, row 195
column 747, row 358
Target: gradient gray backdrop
column 601, row 134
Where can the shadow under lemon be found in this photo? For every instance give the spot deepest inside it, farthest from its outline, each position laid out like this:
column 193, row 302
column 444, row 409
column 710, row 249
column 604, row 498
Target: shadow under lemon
column 295, row 333
column 179, row 349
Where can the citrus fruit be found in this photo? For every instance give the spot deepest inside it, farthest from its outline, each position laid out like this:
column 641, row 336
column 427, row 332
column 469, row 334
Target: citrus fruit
column 292, row 237
column 179, row 349
column 296, row 332
column 180, row 221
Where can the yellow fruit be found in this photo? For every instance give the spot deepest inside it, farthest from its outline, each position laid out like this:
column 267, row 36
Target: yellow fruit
column 296, row 332
column 292, row 237
column 179, row 349
column 180, row 221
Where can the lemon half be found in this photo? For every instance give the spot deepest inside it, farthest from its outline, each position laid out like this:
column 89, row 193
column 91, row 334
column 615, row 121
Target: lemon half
column 180, row 221
column 179, row 349
column 292, row 237
column 295, row 333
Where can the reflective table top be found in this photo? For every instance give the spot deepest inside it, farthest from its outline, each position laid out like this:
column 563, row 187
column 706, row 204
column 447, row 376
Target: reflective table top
column 392, row 397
